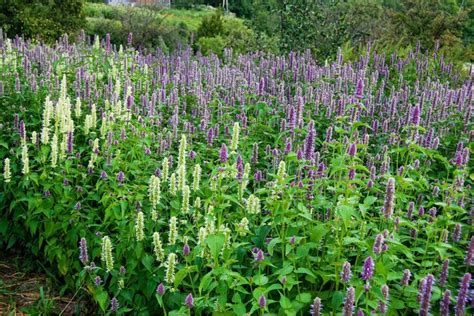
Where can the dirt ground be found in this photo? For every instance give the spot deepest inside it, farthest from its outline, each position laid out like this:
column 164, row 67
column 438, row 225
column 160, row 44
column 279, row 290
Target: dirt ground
column 27, row 293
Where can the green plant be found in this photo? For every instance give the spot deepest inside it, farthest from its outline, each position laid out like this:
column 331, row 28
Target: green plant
column 207, row 45
column 211, row 26
column 168, row 182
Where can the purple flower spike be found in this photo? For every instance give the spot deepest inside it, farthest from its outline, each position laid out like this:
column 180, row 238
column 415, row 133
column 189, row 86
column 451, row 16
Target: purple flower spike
column 114, row 304
column 210, row 136
column 425, row 295
column 262, row 301
column 70, row 142
column 22, row 130
column 389, row 198
column 309, row 141
column 346, row 272
column 98, row 280
column 352, row 174
column 444, row 303
column 120, row 177
column 415, row 115
column 359, row 93
column 239, row 165
column 352, row 150
column 259, row 256
column 370, row 184
column 444, row 273
column 411, row 206
column 293, row 240
column 459, row 159
column 83, row 255
column 186, row 250
column 160, row 289
column 348, row 308
column 258, row 176
column 385, row 292
column 459, row 309
column 316, row 307
column 457, row 232
column 421, row 211
column 405, row 278
column 103, row 175
column 223, row 155
column 189, row 301
column 368, row 269
column 379, row 239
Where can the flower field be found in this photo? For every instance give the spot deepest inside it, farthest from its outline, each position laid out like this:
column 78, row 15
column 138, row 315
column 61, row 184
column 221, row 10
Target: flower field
column 178, row 184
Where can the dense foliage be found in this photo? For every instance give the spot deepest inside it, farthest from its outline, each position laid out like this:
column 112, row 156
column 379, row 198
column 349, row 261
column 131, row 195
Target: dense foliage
column 325, row 25
column 276, row 26
column 253, row 183
column 43, row 19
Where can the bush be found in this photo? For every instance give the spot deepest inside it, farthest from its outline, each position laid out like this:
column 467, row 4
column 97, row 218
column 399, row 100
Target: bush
column 238, row 36
column 102, row 27
column 207, row 45
column 211, row 26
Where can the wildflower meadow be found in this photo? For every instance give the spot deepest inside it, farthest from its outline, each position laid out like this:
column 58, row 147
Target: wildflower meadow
column 154, row 183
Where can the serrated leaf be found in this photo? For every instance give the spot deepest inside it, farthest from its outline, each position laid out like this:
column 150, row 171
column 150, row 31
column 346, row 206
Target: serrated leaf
column 285, row 302
column 215, row 244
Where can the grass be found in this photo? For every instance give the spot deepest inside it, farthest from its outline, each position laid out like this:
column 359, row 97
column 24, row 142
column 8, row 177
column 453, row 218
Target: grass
column 191, row 18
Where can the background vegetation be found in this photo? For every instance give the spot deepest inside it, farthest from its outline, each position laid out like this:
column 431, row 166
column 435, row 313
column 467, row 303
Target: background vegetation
column 270, row 25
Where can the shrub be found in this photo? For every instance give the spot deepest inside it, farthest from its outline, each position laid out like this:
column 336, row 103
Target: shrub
column 211, row 26
column 207, row 45
column 238, row 36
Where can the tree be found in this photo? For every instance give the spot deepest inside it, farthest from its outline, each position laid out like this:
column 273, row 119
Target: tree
column 309, row 24
column 426, row 21
column 46, row 19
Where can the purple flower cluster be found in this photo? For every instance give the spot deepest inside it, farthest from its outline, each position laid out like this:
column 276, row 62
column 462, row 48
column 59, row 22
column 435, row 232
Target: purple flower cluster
column 368, row 269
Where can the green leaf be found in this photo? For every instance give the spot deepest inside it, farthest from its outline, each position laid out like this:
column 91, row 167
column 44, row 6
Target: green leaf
column 103, row 299
column 260, row 280
column 272, row 244
column 3, row 225
column 305, row 271
column 346, row 212
column 215, row 244
column 317, row 232
column 337, row 299
column 239, row 309
column 287, row 269
column 273, row 287
column 304, row 298
column 285, row 302
column 369, row 200
column 205, row 282
column 147, row 261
